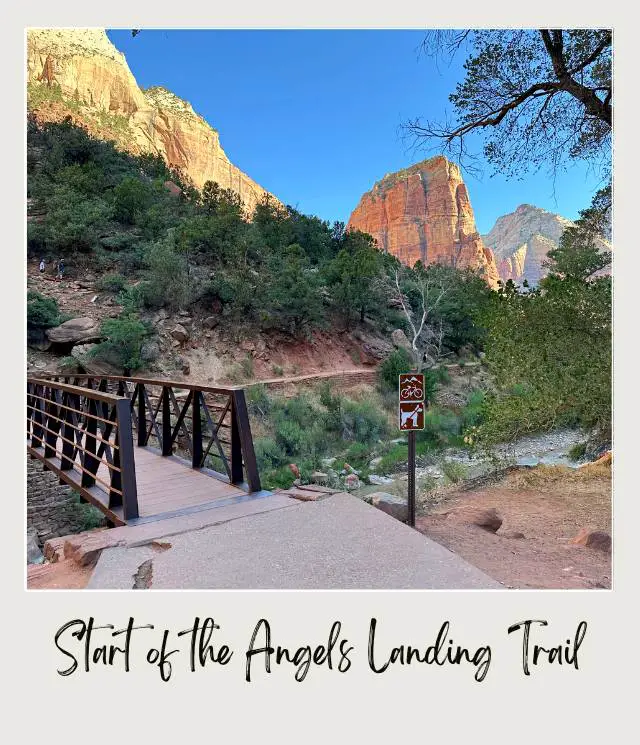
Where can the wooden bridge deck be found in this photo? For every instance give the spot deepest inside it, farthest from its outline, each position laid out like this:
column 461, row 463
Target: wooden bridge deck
column 167, row 486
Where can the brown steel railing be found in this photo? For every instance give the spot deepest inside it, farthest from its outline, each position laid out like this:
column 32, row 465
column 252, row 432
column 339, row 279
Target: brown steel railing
column 209, row 425
column 85, row 436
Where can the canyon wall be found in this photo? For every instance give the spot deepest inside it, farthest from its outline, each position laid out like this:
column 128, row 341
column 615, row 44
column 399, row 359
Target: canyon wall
column 78, row 73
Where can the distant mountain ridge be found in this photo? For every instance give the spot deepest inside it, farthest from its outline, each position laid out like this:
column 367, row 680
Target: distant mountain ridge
column 521, row 241
column 80, row 74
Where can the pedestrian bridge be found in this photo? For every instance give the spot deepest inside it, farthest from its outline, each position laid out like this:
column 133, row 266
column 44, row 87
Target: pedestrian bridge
column 142, row 450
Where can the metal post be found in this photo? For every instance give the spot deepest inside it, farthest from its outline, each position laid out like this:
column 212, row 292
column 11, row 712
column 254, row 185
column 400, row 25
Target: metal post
column 127, row 460
column 89, row 461
column 142, row 416
column 237, row 475
column 166, row 422
column 412, row 479
column 196, row 425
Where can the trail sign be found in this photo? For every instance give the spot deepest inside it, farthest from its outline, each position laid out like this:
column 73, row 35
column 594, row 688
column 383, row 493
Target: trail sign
column 411, row 407
column 411, row 387
column 411, row 416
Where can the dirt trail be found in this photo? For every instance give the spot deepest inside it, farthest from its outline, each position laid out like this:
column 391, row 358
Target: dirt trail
column 549, row 505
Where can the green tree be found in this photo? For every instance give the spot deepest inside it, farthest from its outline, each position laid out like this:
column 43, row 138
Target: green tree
column 293, row 300
column 73, row 223
column 550, row 353
column 123, row 341
column 581, row 253
column 131, row 198
column 42, row 314
column 354, row 277
column 168, row 282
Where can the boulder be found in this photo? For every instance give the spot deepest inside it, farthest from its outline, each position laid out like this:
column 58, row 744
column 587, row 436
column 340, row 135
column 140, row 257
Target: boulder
column 172, row 188
column 391, row 504
column 37, row 339
column 76, row 330
column 210, row 322
column 91, row 364
column 400, row 341
column 179, row 333
column 593, row 539
column 484, row 517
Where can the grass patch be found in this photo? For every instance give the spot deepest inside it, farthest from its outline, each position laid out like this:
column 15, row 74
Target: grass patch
column 391, row 460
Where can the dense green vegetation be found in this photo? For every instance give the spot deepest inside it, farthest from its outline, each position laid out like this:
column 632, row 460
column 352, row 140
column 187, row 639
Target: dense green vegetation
column 550, row 348
column 311, row 427
column 42, row 312
column 110, row 212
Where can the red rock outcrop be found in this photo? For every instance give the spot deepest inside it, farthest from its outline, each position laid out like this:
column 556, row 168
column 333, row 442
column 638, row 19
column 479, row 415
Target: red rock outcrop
column 424, row 213
column 78, row 73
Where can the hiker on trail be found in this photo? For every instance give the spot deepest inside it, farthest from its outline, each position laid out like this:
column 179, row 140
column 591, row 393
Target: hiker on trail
column 60, row 268
column 41, row 265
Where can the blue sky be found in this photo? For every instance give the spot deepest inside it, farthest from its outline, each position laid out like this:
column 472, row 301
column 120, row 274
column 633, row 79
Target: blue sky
column 313, row 116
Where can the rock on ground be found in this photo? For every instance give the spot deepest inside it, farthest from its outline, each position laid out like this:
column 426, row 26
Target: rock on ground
column 75, row 331
column 399, row 339
column 391, row 504
column 93, row 365
column 179, row 333
column 593, row 539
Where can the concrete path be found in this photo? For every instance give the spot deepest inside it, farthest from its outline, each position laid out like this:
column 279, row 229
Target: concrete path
column 338, row 542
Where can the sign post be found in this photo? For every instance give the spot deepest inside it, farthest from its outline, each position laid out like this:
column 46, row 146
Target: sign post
column 411, row 409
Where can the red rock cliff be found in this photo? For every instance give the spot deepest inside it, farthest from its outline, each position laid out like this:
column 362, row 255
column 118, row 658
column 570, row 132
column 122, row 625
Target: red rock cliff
column 78, row 73
column 423, row 213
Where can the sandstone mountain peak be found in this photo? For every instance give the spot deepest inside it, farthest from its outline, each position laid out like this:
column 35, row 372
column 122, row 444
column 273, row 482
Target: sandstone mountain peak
column 78, row 73
column 69, row 41
column 522, row 239
column 423, row 213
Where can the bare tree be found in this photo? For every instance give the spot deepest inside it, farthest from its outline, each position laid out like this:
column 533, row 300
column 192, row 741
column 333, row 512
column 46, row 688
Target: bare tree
column 427, row 332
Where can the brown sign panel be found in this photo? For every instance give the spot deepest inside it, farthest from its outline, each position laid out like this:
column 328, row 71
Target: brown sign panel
column 411, row 387
column 411, row 415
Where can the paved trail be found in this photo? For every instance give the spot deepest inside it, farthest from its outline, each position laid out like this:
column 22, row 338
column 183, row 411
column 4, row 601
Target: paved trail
column 336, row 543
